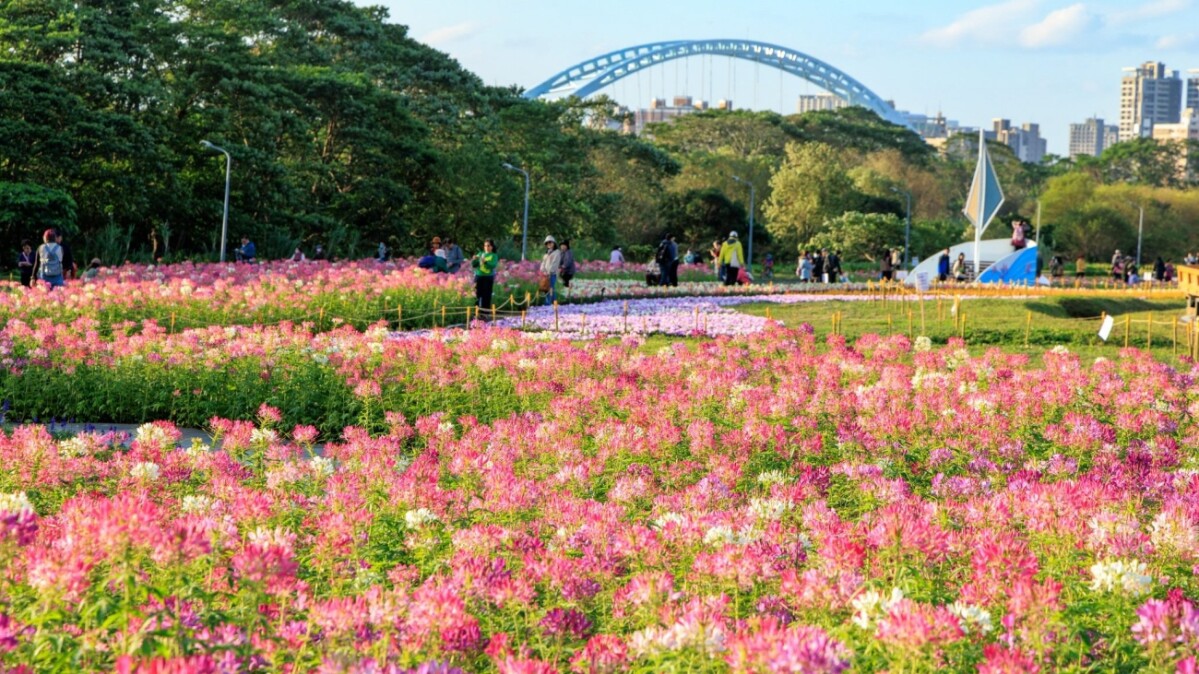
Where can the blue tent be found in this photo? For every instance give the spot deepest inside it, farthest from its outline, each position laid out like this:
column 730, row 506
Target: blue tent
column 1020, row 268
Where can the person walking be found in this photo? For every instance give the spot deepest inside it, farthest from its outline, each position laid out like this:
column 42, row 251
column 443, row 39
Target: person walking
column 714, row 253
column 662, row 259
column 485, row 264
column 1117, row 266
column 48, row 266
column 804, row 268
column 550, row 262
column 833, row 264
column 454, row 257
column 943, row 266
column 1159, row 269
column 25, row 263
column 1080, row 266
column 616, row 256
column 732, row 258
column 817, row 266
column 886, row 265
column 566, row 263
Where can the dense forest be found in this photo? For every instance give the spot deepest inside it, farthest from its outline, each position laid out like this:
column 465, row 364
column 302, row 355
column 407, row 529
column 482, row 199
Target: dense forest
column 344, row 130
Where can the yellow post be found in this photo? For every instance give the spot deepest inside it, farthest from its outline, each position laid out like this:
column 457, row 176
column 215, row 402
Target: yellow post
column 321, row 320
column 172, row 322
column 555, row 315
column 962, row 325
column 583, row 328
column 696, row 320
column 1127, row 328
column 1175, row 351
column 626, row 315
column 443, row 323
column 1149, row 333
column 767, row 312
column 1027, row 328
column 400, row 317
column 923, row 328
column 910, row 334
column 890, row 325
column 523, row 313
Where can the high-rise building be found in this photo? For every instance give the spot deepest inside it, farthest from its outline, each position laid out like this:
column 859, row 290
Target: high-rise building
column 1192, row 100
column 1092, row 137
column 659, row 111
column 1186, row 129
column 819, row 102
column 1149, row 95
column 1026, row 141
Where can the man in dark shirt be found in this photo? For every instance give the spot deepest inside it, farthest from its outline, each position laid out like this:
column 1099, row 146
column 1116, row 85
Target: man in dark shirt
column 69, row 269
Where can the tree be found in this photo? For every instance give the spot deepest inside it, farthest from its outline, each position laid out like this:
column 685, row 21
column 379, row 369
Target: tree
column 26, row 210
column 859, row 236
column 809, row 189
column 699, row 217
column 857, row 129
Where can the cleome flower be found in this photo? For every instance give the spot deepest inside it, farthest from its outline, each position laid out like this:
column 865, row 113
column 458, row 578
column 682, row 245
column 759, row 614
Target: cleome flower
column 871, row 606
column 146, row 471
column 1122, row 576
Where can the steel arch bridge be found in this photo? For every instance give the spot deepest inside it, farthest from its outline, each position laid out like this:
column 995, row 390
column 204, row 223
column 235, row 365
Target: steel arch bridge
column 594, row 74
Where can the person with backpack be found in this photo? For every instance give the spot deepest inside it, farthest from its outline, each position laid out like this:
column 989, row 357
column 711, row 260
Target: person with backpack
column 550, row 263
column 49, row 267
column 732, row 258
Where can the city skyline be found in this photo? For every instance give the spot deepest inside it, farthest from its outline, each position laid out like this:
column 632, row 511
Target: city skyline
column 1046, row 62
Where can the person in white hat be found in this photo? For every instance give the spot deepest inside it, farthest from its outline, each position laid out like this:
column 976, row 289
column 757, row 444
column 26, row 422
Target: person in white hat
column 732, row 258
column 549, row 269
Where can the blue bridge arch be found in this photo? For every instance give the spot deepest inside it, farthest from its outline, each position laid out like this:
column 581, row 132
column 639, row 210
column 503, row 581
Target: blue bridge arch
column 588, row 77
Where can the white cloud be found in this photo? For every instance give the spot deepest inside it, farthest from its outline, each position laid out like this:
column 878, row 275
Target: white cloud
column 449, row 33
column 985, row 25
column 1174, row 42
column 1059, row 27
column 1148, row 10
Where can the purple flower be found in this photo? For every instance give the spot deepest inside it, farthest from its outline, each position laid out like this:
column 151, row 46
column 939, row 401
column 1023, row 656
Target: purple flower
column 568, row 622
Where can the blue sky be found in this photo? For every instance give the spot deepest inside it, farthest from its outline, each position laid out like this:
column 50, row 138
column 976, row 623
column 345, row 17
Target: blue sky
column 1051, row 62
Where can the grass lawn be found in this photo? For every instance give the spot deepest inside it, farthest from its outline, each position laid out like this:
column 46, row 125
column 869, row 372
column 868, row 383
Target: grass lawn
column 1072, row 321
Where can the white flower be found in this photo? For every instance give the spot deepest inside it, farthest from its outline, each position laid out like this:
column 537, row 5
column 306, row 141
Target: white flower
column 197, row 504
column 772, row 477
column 263, row 436
column 73, row 447
column 870, row 606
column 322, row 466
column 197, row 448
column 973, row 618
column 416, row 519
column 923, row 344
column 1173, row 531
column 145, row 470
column 668, row 519
column 721, row 535
column 152, row 434
column 15, row 502
column 272, row 538
column 1125, row 576
column 1060, row 350
column 768, row 509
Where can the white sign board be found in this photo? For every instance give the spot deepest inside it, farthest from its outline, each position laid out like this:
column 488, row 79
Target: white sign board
column 1105, row 330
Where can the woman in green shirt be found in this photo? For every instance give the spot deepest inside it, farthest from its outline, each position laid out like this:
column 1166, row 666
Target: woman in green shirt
column 485, row 264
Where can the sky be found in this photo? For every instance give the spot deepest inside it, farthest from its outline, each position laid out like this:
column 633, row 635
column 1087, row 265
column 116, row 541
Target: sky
column 1050, row 62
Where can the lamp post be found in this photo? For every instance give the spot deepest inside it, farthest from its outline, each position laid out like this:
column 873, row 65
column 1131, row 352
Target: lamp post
column 524, row 237
column 749, row 255
column 1140, row 232
column 907, row 228
column 228, row 173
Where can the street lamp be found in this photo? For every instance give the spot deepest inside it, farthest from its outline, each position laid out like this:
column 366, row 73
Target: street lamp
column 749, row 256
column 1140, row 232
column 228, row 173
column 524, row 237
column 907, row 228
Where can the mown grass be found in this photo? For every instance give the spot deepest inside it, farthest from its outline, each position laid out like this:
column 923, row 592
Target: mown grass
column 1028, row 325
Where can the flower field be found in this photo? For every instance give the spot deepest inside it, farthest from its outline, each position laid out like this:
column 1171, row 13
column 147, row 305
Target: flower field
column 187, row 295
column 494, row 501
